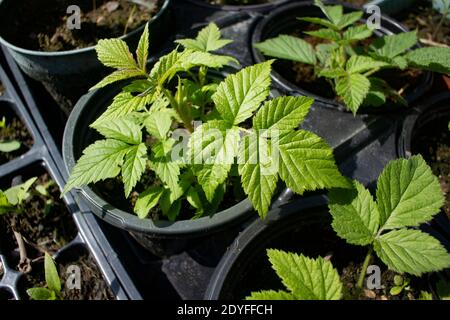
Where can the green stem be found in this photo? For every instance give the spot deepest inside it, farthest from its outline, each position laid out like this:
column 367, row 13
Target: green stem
column 129, row 19
column 362, row 275
column 371, row 72
column 444, row 16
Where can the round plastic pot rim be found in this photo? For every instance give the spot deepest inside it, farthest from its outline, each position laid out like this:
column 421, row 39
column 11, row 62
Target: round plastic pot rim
column 81, row 50
column 238, row 7
column 291, row 87
column 409, row 124
column 253, row 231
column 130, row 221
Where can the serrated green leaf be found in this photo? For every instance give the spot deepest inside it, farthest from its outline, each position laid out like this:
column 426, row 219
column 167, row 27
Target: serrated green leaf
column 170, row 208
column 114, row 53
column 118, row 76
column 411, row 251
column 361, row 64
column 289, row 48
column 147, row 200
column 307, row 163
column 320, row 21
column 355, row 214
column 432, row 58
column 17, row 194
column 40, row 294
column 51, row 274
column 307, row 279
column 214, row 146
column 270, row 295
column 408, row 194
column 166, row 169
column 327, row 34
column 134, row 167
column 199, row 58
column 208, row 39
column 5, row 205
column 333, row 13
column 283, row 113
column 100, row 161
column 240, row 94
column 259, row 172
column 357, row 33
column 349, row 19
column 332, row 73
column 394, row 45
column 194, row 200
column 142, row 49
column 9, row 146
column 122, row 129
column 124, row 104
column 353, row 89
column 158, row 124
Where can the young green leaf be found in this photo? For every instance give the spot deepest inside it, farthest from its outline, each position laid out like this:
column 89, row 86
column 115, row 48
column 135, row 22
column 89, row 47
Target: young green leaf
column 433, row 58
column 100, row 161
column 361, row 64
column 355, row 214
column 9, row 146
column 118, row 75
column 408, row 194
column 51, row 274
column 394, row 45
column 17, row 194
column 354, row 88
column 208, row 39
column 5, row 205
column 114, row 53
column 147, row 200
column 307, row 279
column 288, row 47
column 240, row 94
column 333, row 13
column 142, row 49
column 357, row 33
column 349, row 19
column 411, row 251
column 158, row 124
column 259, row 172
column 134, row 166
column 123, row 129
column 41, row 294
column 324, row 33
column 166, row 169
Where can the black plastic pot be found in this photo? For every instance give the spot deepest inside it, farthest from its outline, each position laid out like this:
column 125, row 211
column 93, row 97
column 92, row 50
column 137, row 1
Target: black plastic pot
column 284, row 20
column 264, row 7
column 303, row 227
column 68, row 74
column 435, row 114
column 162, row 238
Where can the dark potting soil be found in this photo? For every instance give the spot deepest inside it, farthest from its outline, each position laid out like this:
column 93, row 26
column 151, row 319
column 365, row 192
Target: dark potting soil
column 92, row 284
column 423, row 17
column 42, row 25
column 432, row 141
column 2, row 89
column 314, row 238
column 112, row 191
column 358, row 3
column 303, row 76
column 44, row 226
column 14, row 129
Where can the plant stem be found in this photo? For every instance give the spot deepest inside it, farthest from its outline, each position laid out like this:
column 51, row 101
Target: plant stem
column 24, row 263
column 371, row 72
column 444, row 16
column 130, row 17
column 362, row 275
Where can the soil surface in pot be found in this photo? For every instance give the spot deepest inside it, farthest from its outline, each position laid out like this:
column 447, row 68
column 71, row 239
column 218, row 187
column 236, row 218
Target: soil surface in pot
column 423, row 17
column 254, row 272
column 432, row 141
column 358, row 3
column 302, row 75
column 14, row 129
column 92, row 285
column 43, row 25
column 45, row 223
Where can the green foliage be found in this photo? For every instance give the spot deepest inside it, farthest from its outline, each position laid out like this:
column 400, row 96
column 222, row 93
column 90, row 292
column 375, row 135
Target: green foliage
column 349, row 67
column 408, row 194
column 11, row 200
column 140, row 131
column 401, row 283
column 8, row 146
column 53, row 290
column 305, row 278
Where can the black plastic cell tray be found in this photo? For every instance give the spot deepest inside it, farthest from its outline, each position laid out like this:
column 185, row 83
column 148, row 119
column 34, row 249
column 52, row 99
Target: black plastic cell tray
column 363, row 146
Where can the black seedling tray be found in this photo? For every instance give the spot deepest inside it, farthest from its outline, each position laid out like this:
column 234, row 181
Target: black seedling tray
column 363, row 146
column 42, row 157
